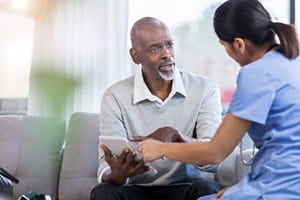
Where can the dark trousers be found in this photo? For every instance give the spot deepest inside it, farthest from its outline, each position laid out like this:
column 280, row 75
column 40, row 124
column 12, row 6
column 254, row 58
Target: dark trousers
column 108, row 191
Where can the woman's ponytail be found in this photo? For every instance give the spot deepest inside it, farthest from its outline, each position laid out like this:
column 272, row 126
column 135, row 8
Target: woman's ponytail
column 289, row 43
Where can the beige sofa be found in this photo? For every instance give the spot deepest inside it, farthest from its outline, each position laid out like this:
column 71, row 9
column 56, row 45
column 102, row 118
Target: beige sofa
column 49, row 160
column 31, row 148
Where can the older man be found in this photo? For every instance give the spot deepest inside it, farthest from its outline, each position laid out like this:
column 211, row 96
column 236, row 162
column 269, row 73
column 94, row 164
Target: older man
column 163, row 103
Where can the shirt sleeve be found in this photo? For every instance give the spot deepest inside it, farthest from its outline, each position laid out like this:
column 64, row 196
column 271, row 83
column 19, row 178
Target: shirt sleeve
column 254, row 95
column 110, row 124
column 208, row 120
column 210, row 114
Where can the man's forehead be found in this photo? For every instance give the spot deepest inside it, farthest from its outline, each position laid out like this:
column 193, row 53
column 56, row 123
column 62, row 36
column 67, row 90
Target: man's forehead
column 149, row 42
column 149, row 33
column 154, row 34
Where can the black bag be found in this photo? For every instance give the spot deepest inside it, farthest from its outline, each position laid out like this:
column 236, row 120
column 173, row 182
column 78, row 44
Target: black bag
column 8, row 175
column 5, row 187
column 6, row 181
column 34, row 196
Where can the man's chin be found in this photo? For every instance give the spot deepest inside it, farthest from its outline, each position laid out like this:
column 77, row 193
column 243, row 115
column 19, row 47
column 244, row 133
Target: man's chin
column 167, row 76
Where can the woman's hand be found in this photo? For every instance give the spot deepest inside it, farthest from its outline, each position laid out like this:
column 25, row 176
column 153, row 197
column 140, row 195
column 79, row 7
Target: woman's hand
column 151, row 150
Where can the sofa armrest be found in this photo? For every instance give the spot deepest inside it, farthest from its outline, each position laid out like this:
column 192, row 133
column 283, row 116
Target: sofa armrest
column 80, row 158
column 232, row 170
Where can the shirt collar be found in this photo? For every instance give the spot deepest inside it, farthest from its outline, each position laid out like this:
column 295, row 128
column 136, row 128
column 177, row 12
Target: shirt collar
column 141, row 91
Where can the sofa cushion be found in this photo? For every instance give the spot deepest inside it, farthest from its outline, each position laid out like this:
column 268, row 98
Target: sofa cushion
column 80, row 160
column 31, row 150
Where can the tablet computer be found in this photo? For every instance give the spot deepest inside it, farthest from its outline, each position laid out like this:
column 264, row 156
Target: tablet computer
column 117, row 144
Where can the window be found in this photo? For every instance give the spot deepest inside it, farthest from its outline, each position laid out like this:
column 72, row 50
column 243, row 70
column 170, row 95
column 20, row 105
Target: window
column 297, row 17
column 15, row 61
column 15, row 55
column 279, row 12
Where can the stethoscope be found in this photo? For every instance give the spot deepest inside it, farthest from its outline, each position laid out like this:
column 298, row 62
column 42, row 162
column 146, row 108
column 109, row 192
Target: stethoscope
column 244, row 161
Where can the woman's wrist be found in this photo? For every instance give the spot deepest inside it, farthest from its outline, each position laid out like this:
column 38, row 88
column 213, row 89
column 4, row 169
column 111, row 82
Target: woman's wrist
column 164, row 149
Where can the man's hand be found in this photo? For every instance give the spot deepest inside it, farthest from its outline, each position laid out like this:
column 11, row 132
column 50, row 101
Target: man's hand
column 122, row 167
column 164, row 134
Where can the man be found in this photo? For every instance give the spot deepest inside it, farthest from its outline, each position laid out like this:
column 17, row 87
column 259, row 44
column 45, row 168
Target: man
column 163, row 103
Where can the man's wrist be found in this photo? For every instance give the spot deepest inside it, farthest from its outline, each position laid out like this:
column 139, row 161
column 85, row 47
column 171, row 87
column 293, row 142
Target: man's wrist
column 117, row 180
column 180, row 139
column 109, row 177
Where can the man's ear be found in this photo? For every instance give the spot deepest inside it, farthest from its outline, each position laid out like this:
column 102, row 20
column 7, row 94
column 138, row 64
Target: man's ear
column 239, row 45
column 134, row 56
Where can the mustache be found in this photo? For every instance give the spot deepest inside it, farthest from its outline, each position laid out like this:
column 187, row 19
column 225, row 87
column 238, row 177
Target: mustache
column 168, row 61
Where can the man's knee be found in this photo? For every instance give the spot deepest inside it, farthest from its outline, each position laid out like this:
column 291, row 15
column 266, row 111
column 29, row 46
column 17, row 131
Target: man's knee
column 102, row 191
column 207, row 186
column 212, row 186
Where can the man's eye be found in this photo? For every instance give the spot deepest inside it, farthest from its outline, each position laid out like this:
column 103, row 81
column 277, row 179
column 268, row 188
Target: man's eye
column 170, row 44
column 154, row 50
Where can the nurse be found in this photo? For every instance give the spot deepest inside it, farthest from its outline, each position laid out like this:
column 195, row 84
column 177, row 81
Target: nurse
column 266, row 104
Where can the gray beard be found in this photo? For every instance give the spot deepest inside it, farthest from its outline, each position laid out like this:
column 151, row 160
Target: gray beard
column 167, row 76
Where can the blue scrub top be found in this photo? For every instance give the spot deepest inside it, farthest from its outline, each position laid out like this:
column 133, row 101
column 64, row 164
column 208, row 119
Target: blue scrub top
column 268, row 94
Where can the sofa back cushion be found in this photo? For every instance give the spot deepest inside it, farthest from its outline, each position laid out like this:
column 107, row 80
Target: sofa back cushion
column 80, row 159
column 30, row 148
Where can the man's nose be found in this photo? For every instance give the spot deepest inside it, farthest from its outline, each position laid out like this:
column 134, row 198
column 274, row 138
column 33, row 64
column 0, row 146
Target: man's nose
column 166, row 52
